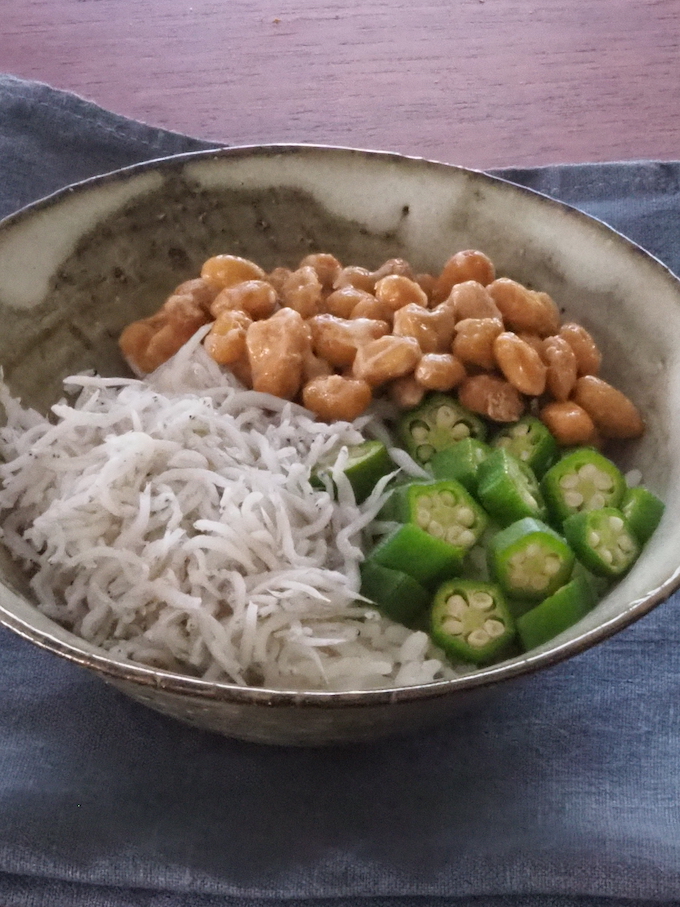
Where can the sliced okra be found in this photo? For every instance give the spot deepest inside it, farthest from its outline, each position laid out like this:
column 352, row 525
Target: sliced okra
column 508, row 489
column 461, row 462
column 395, row 593
column 643, row 511
column 530, row 560
column 471, row 621
column 531, row 442
column 603, row 541
column 366, row 464
column 598, row 585
column 443, row 509
column 581, row 481
column 439, row 422
column 556, row 613
column 422, row 556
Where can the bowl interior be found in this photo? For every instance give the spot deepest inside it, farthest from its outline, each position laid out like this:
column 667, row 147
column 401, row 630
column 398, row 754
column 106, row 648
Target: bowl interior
column 76, row 268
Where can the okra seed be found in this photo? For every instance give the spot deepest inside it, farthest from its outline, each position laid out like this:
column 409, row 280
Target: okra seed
column 593, row 539
column 425, row 452
column 423, row 518
column 420, row 431
column 532, row 550
column 445, row 417
column 478, row 638
column 466, row 538
column 465, row 516
column 521, row 430
column 603, row 482
column 453, row 535
column 607, row 555
column 451, row 625
column 446, row 497
column 537, row 582
column 460, row 431
column 573, row 499
column 481, row 601
column 569, row 481
column 597, row 501
column 626, row 544
column 457, row 606
column 494, row 628
column 616, row 523
column 436, row 529
column 552, row 565
column 589, row 471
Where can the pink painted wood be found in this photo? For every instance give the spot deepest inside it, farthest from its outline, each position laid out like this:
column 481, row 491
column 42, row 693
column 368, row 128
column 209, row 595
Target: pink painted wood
column 483, row 83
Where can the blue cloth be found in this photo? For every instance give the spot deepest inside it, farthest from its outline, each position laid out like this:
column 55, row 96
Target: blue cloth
column 564, row 789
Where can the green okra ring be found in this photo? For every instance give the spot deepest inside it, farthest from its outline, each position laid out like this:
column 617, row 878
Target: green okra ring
column 461, row 462
column 508, row 490
column 471, row 621
column 555, row 614
column 438, row 423
column 395, row 593
column 443, row 509
column 529, row 559
column 531, row 442
column 581, row 481
column 412, row 550
column 643, row 511
column 366, row 464
column 603, row 541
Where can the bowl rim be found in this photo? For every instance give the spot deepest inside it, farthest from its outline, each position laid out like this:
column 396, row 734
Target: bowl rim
column 123, row 671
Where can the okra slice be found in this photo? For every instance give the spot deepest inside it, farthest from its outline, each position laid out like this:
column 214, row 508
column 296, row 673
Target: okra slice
column 531, row 442
column 583, row 480
column 461, row 462
column 412, row 550
column 603, row 541
column 508, row 489
column 643, row 511
column 395, row 593
column 530, row 560
column 439, row 422
column 443, row 509
column 471, row 621
column 366, row 464
column 556, row 613
column 598, row 585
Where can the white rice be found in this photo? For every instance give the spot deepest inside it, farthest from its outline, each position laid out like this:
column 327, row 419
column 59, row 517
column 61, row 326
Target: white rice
column 171, row 521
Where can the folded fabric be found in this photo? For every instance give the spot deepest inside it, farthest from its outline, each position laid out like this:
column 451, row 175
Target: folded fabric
column 564, row 789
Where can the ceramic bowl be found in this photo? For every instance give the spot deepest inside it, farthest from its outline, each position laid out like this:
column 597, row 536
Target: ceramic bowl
column 77, row 267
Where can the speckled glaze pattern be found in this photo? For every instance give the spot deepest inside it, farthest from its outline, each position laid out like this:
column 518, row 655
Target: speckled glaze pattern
column 77, row 267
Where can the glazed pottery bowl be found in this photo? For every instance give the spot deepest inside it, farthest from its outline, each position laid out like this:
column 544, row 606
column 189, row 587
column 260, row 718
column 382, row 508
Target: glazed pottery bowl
column 77, row 267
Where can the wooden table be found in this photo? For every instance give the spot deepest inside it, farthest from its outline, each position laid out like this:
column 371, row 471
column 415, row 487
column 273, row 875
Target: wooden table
column 483, row 83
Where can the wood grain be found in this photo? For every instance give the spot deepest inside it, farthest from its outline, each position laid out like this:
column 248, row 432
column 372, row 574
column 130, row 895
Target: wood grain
column 484, row 83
